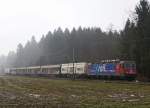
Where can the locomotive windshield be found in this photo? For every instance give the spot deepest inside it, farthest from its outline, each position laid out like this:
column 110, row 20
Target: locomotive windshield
column 129, row 65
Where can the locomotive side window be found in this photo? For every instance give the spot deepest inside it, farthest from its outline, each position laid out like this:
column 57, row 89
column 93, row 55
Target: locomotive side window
column 133, row 66
column 127, row 65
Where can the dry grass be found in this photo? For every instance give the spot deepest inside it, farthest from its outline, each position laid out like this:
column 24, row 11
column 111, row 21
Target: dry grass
column 39, row 92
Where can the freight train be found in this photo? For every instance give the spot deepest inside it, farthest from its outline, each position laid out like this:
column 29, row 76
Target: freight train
column 104, row 69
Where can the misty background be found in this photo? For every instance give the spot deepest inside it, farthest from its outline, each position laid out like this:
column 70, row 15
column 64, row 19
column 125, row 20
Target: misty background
column 48, row 32
column 20, row 20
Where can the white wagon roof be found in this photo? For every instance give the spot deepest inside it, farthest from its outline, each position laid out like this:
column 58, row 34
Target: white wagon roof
column 75, row 64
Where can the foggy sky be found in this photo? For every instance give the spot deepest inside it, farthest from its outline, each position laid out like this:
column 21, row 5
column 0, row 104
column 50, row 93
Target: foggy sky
column 21, row 19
